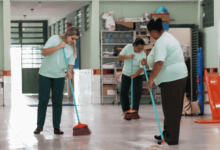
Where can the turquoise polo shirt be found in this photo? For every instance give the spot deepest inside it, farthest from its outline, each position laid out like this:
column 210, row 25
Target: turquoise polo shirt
column 168, row 49
column 53, row 66
column 128, row 50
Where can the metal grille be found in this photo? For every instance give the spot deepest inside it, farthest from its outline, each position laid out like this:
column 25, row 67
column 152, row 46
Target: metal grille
column 87, row 18
column 195, row 43
column 78, row 20
column 31, row 35
column 58, row 28
column 208, row 10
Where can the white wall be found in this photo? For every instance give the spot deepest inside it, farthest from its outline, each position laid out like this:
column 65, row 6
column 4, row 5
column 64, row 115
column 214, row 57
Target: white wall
column 210, row 38
column 183, row 35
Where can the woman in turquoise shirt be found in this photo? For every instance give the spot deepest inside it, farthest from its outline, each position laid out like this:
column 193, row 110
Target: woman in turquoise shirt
column 170, row 73
column 52, row 75
column 136, row 53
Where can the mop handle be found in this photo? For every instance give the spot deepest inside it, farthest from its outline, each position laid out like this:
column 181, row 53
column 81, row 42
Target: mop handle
column 155, row 109
column 131, row 84
column 71, row 86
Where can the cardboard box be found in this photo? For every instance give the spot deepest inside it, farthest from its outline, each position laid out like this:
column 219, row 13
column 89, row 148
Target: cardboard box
column 164, row 16
column 124, row 26
column 109, row 89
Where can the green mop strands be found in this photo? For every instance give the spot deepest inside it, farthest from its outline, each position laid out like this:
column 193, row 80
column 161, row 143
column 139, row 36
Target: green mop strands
column 164, row 144
column 80, row 129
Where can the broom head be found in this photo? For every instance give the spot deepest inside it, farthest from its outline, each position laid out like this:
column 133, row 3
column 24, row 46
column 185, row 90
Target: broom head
column 81, row 129
column 131, row 114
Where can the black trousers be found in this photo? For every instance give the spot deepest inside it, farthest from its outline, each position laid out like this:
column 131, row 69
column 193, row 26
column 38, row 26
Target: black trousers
column 137, row 92
column 172, row 94
column 57, row 85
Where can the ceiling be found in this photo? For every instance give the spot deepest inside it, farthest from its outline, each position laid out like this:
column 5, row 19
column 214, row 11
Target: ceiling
column 47, row 10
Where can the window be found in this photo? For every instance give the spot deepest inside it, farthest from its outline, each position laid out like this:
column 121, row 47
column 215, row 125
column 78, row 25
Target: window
column 31, row 36
column 56, row 28
column 78, row 20
column 86, row 17
column 65, row 24
column 208, row 11
column 62, row 26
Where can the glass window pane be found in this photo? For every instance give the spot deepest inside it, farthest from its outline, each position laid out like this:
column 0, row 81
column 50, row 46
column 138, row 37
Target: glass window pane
column 32, row 29
column 32, row 24
column 31, row 65
column 14, row 24
column 37, row 61
column 33, row 35
column 15, row 35
column 32, row 56
column 14, row 29
column 27, row 56
column 32, row 40
column 32, row 47
column 37, row 52
column 27, row 61
column 36, row 65
column 27, row 52
column 27, row 66
column 15, row 41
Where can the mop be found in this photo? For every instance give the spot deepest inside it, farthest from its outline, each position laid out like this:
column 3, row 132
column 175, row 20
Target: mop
column 164, row 145
column 80, row 129
column 131, row 114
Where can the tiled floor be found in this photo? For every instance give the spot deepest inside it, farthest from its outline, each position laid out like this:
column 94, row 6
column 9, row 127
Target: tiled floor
column 109, row 130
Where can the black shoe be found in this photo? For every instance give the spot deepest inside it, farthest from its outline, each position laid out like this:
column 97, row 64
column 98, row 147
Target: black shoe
column 38, row 130
column 158, row 137
column 58, row 131
column 169, row 143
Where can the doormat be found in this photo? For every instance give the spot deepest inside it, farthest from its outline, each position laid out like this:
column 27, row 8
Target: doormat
column 49, row 105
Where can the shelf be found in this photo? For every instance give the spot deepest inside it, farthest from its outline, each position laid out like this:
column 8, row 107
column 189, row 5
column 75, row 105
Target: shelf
column 143, row 96
column 111, row 57
column 142, row 35
column 109, row 83
column 108, row 95
column 117, row 31
column 116, row 43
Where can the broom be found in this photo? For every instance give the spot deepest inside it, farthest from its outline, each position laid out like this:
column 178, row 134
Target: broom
column 131, row 114
column 80, row 129
column 163, row 144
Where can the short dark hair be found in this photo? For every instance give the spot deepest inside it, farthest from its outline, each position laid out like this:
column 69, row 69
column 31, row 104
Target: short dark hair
column 155, row 24
column 138, row 41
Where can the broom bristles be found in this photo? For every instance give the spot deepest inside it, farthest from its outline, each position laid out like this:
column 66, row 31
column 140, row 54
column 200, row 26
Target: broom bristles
column 130, row 116
column 135, row 116
column 81, row 131
column 127, row 116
